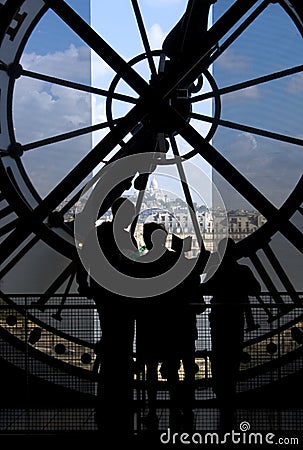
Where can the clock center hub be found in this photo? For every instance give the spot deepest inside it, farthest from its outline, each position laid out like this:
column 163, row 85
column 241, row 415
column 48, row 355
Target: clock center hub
column 163, row 120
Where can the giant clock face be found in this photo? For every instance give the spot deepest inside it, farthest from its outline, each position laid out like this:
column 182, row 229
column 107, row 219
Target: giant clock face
column 226, row 97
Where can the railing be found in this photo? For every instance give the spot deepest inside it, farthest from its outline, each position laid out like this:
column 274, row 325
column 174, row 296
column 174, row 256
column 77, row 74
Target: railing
column 65, row 335
column 54, row 344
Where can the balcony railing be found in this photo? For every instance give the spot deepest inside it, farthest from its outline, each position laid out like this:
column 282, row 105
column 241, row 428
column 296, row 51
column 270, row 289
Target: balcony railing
column 53, row 343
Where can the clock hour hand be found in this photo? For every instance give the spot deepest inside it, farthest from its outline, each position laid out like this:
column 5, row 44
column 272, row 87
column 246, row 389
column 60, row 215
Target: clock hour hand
column 200, row 43
column 183, row 42
column 98, row 44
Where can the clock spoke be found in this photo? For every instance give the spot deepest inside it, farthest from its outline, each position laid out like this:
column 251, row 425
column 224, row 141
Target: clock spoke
column 71, row 202
column 282, row 275
column 228, row 171
column 282, row 307
column 143, row 141
column 248, row 83
column 261, row 132
column 20, row 240
column 187, row 193
column 99, row 45
column 7, row 217
column 78, row 86
column 58, row 314
column 4, row 212
column 6, row 228
column 248, row 129
column 265, row 308
column 144, row 37
column 65, row 136
column 251, row 324
column 85, row 167
column 63, row 189
column 12, row 242
column 3, row 66
column 219, row 29
column 67, row 273
column 221, row 48
column 240, row 183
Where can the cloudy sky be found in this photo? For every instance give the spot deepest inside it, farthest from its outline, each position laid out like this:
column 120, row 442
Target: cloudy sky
column 272, row 165
column 272, row 43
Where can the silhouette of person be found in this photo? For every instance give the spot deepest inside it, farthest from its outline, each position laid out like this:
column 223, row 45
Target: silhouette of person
column 230, row 288
column 116, row 315
column 167, row 331
column 152, row 313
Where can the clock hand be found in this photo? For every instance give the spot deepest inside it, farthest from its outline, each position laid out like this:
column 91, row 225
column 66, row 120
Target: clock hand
column 99, row 45
column 187, row 36
column 36, row 216
column 144, row 37
column 189, row 72
column 240, row 183
column 264, row 234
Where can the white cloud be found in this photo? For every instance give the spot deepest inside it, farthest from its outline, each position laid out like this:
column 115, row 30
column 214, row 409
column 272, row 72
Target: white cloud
column 230, row 60
column 249, row 140
column 295, row 85
column 42, row 109
column 156, row 36
column 273, row 167
column 99, row 69
column 98, row 115
column 250, row 93
column 72, row 63
column 53, row 108
column 243, row 147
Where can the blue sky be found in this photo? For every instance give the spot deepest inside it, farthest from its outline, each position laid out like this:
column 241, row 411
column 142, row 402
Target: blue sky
column 270, row 44
column 43, row 43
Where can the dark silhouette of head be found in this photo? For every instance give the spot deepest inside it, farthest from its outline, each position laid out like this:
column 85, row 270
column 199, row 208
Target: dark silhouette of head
column 154, row 234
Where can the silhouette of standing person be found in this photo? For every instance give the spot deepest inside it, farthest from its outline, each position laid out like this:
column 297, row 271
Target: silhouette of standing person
column 150, row 319
column 167, row 331
column 230, row 288
column 116, row 315
column 153, row 318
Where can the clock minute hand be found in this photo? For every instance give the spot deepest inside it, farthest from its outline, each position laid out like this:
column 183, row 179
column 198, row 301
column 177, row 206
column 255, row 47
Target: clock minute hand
column 186, row 37
column 99, row 45
column 199, row 43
